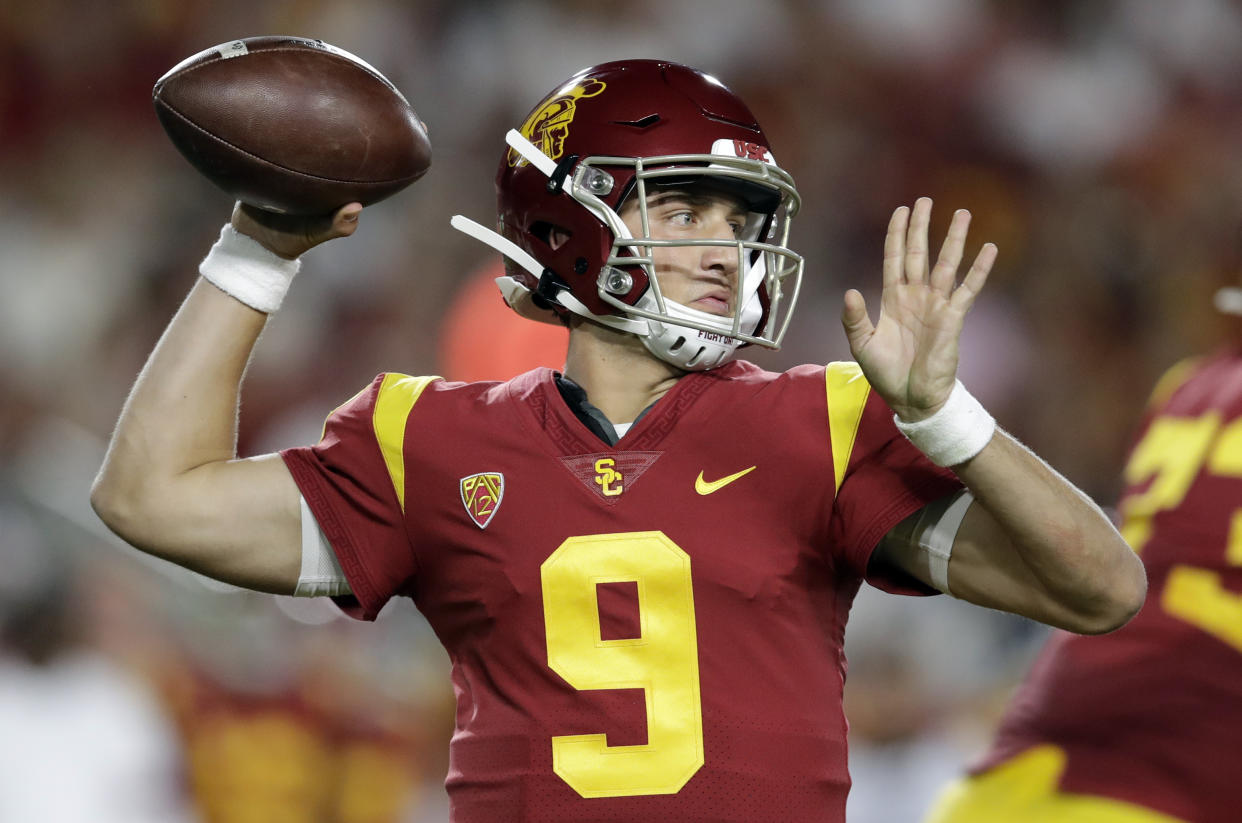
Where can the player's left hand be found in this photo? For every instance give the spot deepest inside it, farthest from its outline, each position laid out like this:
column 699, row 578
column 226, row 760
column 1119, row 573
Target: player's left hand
column 910, row 355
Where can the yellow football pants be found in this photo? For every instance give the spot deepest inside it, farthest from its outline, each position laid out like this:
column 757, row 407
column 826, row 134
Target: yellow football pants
column 1024, row 790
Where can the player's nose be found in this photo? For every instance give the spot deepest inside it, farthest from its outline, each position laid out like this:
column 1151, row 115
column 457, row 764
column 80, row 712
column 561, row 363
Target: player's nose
column 720, row 257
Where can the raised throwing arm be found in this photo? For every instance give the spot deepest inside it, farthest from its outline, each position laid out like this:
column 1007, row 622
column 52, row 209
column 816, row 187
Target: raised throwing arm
column 171, row 483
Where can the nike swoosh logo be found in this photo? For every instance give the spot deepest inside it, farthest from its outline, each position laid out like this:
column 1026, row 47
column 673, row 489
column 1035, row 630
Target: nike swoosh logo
column 703, row 487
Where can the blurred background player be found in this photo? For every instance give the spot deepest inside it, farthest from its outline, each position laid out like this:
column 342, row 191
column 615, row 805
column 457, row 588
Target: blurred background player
column 612, row 634
column 1142, row 725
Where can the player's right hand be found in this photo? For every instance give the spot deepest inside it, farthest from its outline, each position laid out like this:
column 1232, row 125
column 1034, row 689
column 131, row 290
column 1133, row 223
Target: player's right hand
column 290, row 235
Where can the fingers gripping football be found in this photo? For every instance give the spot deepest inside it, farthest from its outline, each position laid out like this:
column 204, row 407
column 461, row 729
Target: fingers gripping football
column 290, row 236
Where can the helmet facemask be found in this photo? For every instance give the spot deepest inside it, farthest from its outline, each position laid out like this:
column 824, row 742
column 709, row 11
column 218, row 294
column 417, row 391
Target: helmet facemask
column 767, row 273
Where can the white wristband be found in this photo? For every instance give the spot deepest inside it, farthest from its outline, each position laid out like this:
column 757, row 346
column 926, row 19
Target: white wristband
column 955, row 433
column 239, row 266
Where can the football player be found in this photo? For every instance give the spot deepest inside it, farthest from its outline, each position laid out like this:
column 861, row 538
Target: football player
column 640, row 565
column 1142, row 726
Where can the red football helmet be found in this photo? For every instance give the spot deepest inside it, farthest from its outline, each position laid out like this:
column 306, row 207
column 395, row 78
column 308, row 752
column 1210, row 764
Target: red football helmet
column 604, row 135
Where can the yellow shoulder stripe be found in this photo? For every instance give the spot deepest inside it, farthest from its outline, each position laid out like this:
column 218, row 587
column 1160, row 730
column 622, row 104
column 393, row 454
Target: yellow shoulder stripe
column 397, row 395
column 847, row 395
column 1172, row 380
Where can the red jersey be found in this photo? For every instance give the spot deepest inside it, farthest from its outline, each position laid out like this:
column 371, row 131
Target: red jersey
column 646, row 631
column 1152, row 714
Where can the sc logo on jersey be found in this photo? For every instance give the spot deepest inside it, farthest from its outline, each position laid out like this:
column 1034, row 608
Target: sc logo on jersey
column 607, row 477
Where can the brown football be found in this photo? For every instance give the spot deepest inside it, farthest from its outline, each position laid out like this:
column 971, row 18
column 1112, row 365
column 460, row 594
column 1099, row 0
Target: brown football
column 292, row 125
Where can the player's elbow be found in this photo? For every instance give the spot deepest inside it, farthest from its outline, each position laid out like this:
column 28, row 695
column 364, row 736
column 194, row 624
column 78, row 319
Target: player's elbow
column 1107, row 618
column 123, row 507
column 1118, row 596
column 109, row 505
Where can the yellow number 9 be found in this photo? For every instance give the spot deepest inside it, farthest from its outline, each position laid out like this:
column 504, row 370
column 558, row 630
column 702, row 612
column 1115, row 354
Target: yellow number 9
column 663, row 661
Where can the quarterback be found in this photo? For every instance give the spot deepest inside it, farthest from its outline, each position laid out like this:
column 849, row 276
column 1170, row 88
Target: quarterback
column 640, row 565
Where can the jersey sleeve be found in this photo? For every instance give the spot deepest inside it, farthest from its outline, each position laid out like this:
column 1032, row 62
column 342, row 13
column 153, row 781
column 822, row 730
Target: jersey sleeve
column 353, row 482
column 881, row 477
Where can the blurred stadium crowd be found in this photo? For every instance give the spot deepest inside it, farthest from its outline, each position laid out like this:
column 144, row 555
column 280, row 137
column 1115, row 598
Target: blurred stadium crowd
column 1097, row 143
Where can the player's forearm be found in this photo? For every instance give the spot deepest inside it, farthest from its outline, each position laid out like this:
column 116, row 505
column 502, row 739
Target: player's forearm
column 1083, row 575
column 182, row 411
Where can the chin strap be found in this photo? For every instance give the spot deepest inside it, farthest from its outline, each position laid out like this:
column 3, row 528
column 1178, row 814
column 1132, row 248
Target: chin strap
column 664, row 338
column 498, row 242
column 519, row 297
column 530, row 152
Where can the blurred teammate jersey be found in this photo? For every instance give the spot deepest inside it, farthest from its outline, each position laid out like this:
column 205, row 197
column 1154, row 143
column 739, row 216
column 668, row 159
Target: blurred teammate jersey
column 1152, row 714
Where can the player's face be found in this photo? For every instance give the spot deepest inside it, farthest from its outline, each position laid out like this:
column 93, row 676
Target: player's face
column 700, row 277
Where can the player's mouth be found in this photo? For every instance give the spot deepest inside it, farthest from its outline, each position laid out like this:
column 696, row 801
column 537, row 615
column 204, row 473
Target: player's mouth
column 715, row 303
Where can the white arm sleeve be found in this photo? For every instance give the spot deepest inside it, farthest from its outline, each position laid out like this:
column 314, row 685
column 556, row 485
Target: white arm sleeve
column 321, row 574
column 932, row 534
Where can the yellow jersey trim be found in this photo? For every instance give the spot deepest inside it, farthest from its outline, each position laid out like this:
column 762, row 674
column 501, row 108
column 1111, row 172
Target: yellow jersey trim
column 1024, row 789
column 1172, row 380
column 847, row 395
column 397, row 395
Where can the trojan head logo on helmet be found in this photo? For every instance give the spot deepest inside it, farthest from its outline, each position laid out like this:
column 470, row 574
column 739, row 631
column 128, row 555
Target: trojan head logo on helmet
column 606, row 137
column 548, row 124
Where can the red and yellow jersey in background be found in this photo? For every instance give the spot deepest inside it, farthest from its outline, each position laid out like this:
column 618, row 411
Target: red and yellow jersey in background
column 1152, row 714
column 288, row 756
column 646, row 631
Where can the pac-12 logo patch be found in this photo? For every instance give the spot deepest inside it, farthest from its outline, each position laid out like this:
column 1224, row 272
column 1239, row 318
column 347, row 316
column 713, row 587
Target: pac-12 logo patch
column 481, row 494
